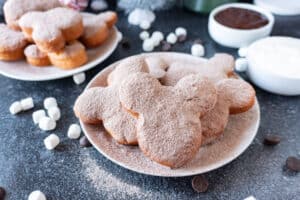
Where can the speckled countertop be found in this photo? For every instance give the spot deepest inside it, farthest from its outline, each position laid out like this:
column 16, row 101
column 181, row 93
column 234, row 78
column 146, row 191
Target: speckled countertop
column 71, row 172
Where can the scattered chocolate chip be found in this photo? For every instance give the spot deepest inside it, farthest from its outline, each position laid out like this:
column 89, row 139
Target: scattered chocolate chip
column 2, row 193
column 165, row 46
column 200, row 184
column 181, row 38
column 84, row 142
column 125, row 43
column 198, row 41
column 293, row 163
column 271, row 139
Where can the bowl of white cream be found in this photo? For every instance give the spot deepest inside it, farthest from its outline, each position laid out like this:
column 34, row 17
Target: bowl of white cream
column 273, row 64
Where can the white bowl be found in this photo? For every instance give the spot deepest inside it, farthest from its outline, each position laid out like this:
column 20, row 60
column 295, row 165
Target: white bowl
column 237, row 38
column 273, row 64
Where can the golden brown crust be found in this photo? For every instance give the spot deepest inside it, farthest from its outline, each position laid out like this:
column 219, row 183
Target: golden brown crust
column 73, row 32
column 96, row 39
column 39, row 62
column 73, row 56
column 14, row 55
column 97, row 28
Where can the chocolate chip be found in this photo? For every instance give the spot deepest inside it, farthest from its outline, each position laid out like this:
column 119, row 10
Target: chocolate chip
column 200, row 184
column 293, row 163
column 198, row 41
column 2, row 193
column 165, row 46
column 125, row 43
column 271, row 139
column 181, row 38
column 84, row 142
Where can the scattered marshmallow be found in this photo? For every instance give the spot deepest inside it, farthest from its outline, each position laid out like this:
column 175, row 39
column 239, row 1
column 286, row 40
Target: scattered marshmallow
column 51, row 141
column 158, row 35
column 139, row 15
column 144, row 35
column 180, row 31
column 241, row 64
column 172, row 38
column 197, row 50
column 37, row 195
column 148, row 45
column 54, row 113
column 50, row 102
column 27, row 103
column 38, row 115
column 15, row 107
column 47, row 124
column 120, row 36
column 99, row 5
column 243, row 51
column 74, row 131
column 250, row 198
column 145, row 25
column 79, row 78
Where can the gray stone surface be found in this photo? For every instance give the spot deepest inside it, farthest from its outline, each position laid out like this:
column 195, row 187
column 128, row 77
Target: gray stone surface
column 73, row 173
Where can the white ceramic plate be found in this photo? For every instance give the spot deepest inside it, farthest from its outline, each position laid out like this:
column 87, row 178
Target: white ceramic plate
column 238, row 135
column 21, row 70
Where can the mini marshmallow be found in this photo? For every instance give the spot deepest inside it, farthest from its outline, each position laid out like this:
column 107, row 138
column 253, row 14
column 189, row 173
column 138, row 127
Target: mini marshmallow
column 241, row 64
column 197, row 50
column 158, row 35
column 37, row 195
column 27, row 103
column 50, row 102
column 98, row 5
column 180, row 31
column 144, row 35
column 15, row 107
column 79, row 78
column 51, row 141
column 172, row 38
column 74, row 131
column 38, row 115
column 54, row 113
column 250, row 198
column 47, row 124
column 148, row 45
column 243, row 51
column 145, row 25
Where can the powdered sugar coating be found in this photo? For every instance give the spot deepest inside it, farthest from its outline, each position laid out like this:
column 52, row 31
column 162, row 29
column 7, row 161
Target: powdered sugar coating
column 103, row 103
column 34, row 52
column 168, row 127
column 49, row 25
column 14, row 9
column 216, row 68
column 10, row 39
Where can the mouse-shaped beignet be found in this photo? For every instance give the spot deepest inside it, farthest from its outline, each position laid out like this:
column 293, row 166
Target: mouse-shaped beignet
column 168, row 125
column 103, row 104
column 218, row 67
column 234, row 96
column 51, row 30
